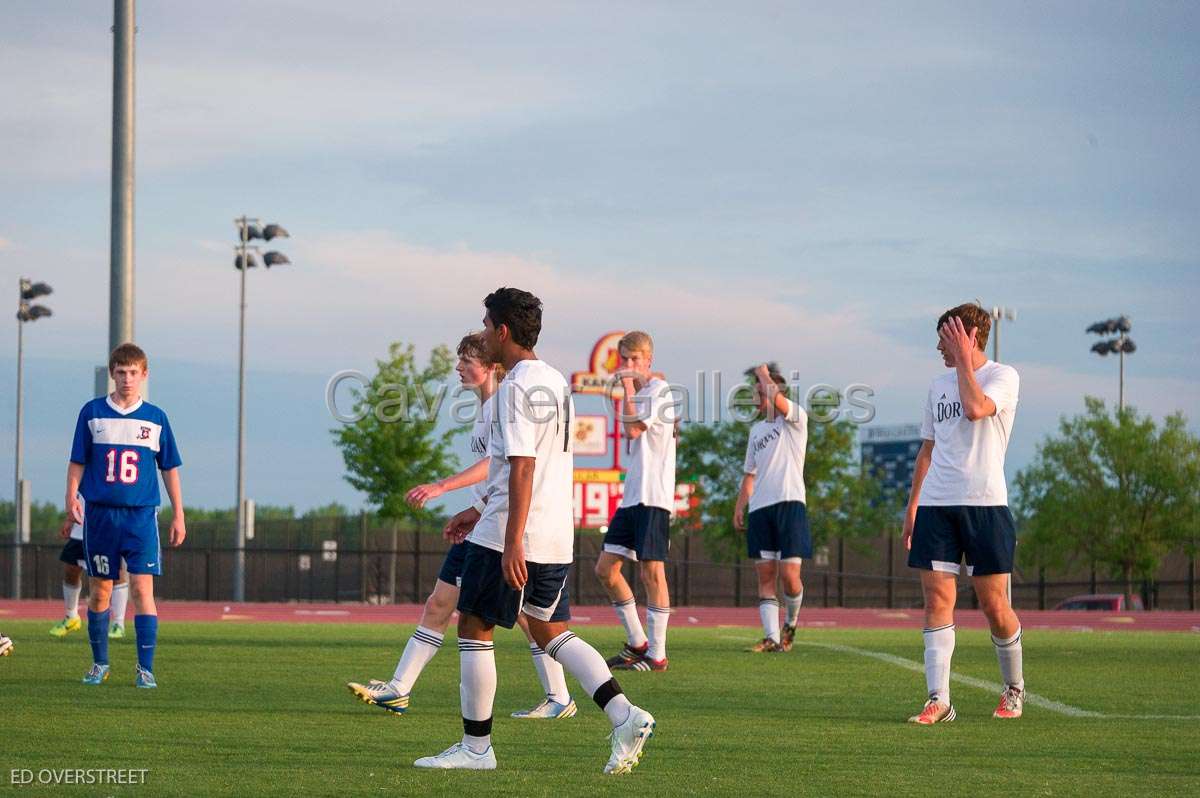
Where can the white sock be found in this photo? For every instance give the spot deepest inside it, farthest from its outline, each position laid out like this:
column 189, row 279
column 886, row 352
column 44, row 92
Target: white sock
column 768, row 611
column 71, row 598
column 118, row 603
column 939, row 648
column 793, row 606
column 477, row 691
column 420, row 648
column 554, row 680
column 1009, row 653
column 627, row 613
column 656, row 623
column 586, row 665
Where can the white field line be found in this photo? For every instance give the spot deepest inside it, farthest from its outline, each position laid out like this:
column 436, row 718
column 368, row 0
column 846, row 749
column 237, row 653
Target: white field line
column 983, row 684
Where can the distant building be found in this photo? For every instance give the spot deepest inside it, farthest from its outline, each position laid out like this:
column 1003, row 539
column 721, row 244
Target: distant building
column 889, row 452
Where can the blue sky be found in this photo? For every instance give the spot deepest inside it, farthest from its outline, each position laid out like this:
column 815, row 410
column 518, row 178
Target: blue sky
column 769, row 181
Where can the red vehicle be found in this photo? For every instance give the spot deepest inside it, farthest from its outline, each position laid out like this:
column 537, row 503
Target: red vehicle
column 1102, row 602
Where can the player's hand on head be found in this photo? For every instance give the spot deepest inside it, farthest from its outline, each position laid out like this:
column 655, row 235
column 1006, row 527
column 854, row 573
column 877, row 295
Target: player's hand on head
column 958, row 339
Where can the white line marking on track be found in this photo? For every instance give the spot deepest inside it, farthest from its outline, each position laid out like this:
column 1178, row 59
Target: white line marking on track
column 994, row 687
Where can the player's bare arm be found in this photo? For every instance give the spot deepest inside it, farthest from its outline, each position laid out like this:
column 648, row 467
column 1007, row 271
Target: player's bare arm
column 471, row 475
column 743, row 498
column 920, row 469
column 170, row 479
column 776, row 397
column 460, row 525
column 74, row 508
column 520, row 493
column 630, row 385
column 960, row 343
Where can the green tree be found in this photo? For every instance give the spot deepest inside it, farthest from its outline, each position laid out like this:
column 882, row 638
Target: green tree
column 1112, row 488
column 395, row 445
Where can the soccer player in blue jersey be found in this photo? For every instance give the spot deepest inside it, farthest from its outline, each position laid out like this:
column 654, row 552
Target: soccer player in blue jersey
column 121, row 443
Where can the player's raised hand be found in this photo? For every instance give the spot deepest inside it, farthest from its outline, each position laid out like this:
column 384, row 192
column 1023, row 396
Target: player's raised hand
column 178, row 530
column 460, row 525
column 423, row 493
column 64, row 531
column 958, row 340
column 512, row 565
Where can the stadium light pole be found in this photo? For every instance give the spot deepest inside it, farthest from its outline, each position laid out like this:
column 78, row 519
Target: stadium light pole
column 248, row 230
column 999, row 314
column 26, row 312
column 1120, row 326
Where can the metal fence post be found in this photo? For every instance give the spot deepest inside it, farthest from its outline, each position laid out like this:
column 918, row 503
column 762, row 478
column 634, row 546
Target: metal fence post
column 416, row 588
column 737, row 583
column 362, row 556
column 1042, row 588
column 687, row 569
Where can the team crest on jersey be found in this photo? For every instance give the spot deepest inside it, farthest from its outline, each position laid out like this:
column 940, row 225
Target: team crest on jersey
column 143, row 433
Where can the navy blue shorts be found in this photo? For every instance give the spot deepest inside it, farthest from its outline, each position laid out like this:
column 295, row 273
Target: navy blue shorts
column 72, row 553
column 639, row 533
column 452, row 566
column 779, row 532
column 110, row 533
column 944, row 536
column 485, row 594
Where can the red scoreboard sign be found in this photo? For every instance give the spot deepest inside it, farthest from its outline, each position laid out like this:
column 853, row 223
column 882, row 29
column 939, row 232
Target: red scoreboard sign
column 598, row 494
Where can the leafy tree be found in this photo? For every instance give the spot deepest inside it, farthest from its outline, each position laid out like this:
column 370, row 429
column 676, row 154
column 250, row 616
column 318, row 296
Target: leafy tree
column 394, row 445
column 1111, row 488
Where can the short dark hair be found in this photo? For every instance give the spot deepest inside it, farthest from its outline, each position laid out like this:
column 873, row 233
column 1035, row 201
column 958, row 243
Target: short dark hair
column 127, row 354
column 773, row 372
column 971, row 315
column 518, row 310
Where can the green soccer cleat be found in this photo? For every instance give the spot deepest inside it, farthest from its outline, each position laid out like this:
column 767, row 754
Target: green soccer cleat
column 116, row 631
column 145, row 679
column 97, row 675
column 65, row 627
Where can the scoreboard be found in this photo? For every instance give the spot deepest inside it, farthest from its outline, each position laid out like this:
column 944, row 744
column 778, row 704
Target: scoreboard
column 598, row 493
column 889, row 453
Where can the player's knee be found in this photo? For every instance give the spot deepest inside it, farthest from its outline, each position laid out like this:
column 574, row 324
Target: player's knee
column 653, row 574
column 607, row 572
column 994, row 606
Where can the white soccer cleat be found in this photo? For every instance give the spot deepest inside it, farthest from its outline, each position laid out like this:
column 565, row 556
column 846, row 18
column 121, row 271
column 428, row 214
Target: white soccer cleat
column 628, row 739
column 459, row 757
column 6, row 646
column 1012, row 703
column 548, row 710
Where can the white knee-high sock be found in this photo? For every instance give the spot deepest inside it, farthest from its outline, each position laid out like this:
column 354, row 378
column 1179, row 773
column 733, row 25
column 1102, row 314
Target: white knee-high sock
column 419, row 650
column 71, row 598
column 768, row 611
column 586, row 665
column 118, row 603
column 477, row 691
column 1009, row 653
column 793, row 606
column 554, row 680
column 628, row 615
column 939, row 649
column 656, row 623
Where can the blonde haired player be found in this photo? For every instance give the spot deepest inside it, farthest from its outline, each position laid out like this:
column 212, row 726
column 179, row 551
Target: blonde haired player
column 640, row 528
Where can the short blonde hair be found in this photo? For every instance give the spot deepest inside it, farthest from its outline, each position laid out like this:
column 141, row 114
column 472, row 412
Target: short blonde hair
column 636, row 341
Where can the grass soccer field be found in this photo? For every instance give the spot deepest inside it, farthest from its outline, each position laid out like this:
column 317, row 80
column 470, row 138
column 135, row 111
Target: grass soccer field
column 261, row 709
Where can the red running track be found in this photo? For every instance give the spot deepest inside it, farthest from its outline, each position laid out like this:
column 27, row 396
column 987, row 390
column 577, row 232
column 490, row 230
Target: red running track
column 603, row 615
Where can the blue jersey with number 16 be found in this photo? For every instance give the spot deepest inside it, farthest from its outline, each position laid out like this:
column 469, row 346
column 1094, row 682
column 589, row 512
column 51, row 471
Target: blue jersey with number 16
column 121, row 451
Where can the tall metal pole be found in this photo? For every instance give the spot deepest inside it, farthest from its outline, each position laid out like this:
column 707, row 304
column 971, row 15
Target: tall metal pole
column 16, row 556
column 996, row 341
column 120, row 292
column 1121, row 388
column 239, row 558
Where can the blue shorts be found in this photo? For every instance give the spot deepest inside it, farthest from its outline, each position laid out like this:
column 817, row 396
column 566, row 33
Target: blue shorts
column 110, row 533
column 779, row 531
column 72, row 553
column 452, row 566
column 943, row 537
column 485, row 594
column 639, row 533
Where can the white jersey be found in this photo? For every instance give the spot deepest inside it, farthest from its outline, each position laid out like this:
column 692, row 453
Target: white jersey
column 77, row 528
column 481, row 435
column 968, row 456
column 532, row 418
column 650, row 478
column 775, row 456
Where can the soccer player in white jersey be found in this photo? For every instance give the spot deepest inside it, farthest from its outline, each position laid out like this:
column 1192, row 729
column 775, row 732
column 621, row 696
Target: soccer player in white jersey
column 481, row 376
column 640, row 528
column 777, row 533
column 519, row 549
column 958, row 508
column 74, row 562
